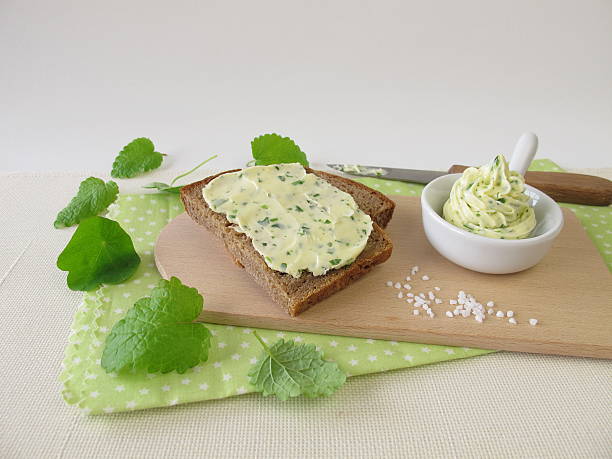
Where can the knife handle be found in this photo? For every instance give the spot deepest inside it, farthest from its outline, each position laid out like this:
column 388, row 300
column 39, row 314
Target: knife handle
column 566, row 187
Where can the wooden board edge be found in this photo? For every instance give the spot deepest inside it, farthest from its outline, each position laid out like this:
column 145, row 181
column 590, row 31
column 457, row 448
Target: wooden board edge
column 411, row 336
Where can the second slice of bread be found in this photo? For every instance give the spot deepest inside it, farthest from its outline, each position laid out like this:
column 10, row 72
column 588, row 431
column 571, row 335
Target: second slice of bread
column 296, row 295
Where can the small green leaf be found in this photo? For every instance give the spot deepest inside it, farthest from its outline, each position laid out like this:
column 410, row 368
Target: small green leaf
column 287, row 370
column 93, row 197
column 163, row 187
column 100, row 251
column 158, row 332
column 274, row 149
column 335, row 261
column 137, row 157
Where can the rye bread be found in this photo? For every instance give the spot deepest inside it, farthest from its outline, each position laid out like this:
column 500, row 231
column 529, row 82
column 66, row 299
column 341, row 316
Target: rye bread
column 296, row 295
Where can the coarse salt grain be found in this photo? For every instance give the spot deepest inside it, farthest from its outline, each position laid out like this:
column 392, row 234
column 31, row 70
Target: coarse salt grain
column 479, row 318
column 408, row 278
column 533, row 322
column 409, row 300
column 453, row 301
column 398, row 285
column 410, row 294
column 431, row 295
column 438, row 301
column 437, row 289
column 389, row 283
column 500, row 314
column 449, row 314
column 407, row 286
column 510, row 314
column 416, row 312
column 512, row 320
column 400, row 295
column 490, row 304
column 425, row 278
column 490, row 311
column 422, row 295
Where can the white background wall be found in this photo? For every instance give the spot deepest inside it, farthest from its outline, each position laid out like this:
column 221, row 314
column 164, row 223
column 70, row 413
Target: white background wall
column 402, row 83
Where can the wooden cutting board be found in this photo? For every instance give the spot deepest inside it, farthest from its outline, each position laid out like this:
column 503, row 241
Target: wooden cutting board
column 569, row 292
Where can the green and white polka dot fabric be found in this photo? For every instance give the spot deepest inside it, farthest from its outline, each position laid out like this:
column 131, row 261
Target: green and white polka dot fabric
column 234, row 349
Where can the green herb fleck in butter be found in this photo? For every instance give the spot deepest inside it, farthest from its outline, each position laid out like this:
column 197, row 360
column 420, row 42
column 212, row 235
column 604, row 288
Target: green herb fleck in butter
column 296, row 221
column 491, row 201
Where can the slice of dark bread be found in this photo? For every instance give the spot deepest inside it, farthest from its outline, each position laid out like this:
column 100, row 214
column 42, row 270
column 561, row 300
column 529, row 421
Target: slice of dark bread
column 296, row 295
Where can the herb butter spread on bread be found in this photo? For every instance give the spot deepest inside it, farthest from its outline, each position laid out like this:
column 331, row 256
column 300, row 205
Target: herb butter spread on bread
column 296, row 221
column 296, row 294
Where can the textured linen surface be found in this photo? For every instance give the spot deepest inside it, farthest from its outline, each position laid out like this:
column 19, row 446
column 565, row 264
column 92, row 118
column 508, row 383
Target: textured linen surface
column 503, row 404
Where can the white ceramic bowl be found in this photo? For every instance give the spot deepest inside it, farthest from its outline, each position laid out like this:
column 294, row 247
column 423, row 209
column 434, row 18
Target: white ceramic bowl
column 480, row 253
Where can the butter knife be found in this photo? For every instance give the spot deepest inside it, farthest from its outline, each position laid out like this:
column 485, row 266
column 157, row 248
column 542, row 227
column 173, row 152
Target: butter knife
column 561, row 186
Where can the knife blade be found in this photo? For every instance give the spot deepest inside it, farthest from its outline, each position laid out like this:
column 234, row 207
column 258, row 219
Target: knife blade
column 389, row 173
column 561, row 186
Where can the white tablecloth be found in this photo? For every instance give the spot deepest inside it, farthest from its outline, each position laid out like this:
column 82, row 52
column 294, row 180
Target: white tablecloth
column 499, row 405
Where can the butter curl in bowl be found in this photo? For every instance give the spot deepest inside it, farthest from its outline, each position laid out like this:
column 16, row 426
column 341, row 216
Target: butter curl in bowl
column 490, row 201
column 487, row 219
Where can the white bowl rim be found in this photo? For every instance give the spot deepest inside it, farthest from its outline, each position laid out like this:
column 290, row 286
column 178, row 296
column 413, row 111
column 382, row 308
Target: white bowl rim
column 550, row 234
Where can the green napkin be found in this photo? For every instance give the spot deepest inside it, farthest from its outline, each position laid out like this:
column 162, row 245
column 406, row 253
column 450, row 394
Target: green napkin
column 234, row 349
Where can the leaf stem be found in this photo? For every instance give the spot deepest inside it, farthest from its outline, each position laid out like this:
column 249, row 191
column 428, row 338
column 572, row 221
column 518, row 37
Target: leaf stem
column 261, row 341
column 192, row 170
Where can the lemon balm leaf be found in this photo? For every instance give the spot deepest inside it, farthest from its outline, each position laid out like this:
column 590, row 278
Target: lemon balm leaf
column 100, row 251
column 287, row 370
column 158, row 333
column 275, row 149
column 93, row 197
column 137, row 157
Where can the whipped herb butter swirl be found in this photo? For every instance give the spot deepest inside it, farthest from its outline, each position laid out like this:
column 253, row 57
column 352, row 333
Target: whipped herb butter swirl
column 296, row 221
column 490, row 201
